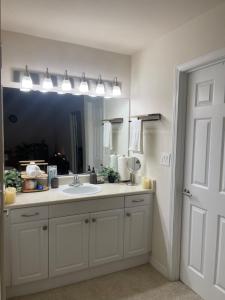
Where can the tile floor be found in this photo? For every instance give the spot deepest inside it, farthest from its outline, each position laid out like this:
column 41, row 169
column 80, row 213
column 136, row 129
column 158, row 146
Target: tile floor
column 140, row 283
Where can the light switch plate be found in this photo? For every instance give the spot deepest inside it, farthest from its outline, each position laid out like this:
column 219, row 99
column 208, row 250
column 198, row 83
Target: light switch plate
column 165, row 159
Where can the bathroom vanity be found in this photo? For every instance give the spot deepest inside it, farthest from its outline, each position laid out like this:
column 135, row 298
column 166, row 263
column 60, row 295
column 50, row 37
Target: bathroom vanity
column 54, row 239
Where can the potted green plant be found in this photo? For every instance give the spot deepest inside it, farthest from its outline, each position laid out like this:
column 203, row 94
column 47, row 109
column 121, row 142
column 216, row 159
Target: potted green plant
column 110, row 174
column 12, row 178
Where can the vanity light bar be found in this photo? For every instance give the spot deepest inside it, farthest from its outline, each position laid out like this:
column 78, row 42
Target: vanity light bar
column 67, row 84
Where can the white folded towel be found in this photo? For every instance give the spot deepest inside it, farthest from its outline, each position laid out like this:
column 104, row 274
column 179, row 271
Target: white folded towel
column 136, row 136
column 107, row 135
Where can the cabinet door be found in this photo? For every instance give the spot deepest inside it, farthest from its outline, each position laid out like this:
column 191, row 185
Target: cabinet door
column 7, row 249
column 137, row 231
column 106, row 237
column 29, row 243
column 68, row 244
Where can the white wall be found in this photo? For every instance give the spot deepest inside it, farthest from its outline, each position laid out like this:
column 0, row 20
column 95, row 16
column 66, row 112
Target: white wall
column 19, row 50
column 152, row 84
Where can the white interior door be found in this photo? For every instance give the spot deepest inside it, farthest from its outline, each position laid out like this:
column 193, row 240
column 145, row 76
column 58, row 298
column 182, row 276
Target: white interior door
column 203, row 233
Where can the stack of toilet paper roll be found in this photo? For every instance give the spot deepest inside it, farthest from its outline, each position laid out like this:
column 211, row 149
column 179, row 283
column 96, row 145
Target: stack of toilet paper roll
column 119, row 164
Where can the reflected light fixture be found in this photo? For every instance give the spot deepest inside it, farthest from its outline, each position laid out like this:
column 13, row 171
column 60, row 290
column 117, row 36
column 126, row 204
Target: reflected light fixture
column 100, row 88
column 26, row 82
column 116, row 88
column 47, row 84
column 66, row 84
column 84, row 88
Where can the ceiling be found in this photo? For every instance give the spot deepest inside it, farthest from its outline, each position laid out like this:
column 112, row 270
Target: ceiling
column 123, row 26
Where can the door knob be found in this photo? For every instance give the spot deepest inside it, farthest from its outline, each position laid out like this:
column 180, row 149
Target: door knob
column 86, row 221
column 45, row 227
column 93, row 220
column 128, row 214
column 187, row 193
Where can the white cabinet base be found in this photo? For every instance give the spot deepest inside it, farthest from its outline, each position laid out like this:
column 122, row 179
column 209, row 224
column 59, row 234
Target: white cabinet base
column 42, row 285
column 68, row 244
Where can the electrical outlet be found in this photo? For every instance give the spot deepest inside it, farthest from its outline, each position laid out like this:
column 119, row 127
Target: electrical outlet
column 165, row 159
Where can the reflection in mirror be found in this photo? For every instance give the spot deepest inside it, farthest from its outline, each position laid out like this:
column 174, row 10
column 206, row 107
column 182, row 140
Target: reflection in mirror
column 133, row 164
column 63, row 130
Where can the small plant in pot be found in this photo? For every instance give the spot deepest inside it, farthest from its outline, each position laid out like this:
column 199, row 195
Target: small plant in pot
column 110, row 174
column 12, row 178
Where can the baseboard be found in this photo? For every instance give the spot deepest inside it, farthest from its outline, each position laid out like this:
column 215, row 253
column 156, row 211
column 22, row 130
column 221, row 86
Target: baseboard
column 50, row 283
column 159, row 267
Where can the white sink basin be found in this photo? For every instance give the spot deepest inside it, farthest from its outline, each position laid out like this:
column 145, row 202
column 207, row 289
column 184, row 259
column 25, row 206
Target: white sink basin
column 84, row 189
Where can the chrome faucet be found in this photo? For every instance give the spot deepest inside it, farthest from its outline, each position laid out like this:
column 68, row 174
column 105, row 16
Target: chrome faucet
column 76, row 181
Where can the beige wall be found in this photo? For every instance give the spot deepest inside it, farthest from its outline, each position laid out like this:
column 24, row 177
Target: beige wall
column 152, row 76
column 152, row 83
column 38, row 53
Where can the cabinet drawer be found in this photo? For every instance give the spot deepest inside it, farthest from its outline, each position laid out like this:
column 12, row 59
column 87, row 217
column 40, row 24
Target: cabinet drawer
column 28, row 214
column 85, row 206
column 136, row 200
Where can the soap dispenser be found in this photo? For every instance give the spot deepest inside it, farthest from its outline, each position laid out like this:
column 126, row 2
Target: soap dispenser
column 93, row 176
column 89, row 169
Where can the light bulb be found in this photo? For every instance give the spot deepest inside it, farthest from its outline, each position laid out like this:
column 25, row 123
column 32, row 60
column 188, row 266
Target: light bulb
column 66, row 84
column 100, row 88
column 77, row 93
column 107, row 97
column 84, row 88
column 47, row 84
column 26, row 82
column 116, row 88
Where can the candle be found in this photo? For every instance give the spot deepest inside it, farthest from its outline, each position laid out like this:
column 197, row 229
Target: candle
column 145, row 183
column 10, row 195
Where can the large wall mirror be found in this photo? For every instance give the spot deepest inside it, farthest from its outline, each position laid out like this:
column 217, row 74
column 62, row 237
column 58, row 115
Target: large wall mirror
column 63, row 129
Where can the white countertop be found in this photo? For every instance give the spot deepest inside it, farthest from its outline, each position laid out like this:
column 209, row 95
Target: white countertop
column 54, row 196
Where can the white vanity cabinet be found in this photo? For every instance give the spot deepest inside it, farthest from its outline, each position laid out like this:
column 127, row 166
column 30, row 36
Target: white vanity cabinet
column 68, row 244
column 29, row 251
column 138, row 225
column 106, row 236
column 29, row 244
column 79, row 241
column 7, row 249
column 137, row 231
column 65, row 238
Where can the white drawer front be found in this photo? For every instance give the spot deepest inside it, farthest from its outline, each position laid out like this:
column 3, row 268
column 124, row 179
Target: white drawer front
column 85, row 206
column 28, row 214
column 136, row 200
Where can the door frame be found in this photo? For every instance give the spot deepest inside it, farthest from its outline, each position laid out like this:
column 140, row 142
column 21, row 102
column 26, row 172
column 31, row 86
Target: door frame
column 178, row 148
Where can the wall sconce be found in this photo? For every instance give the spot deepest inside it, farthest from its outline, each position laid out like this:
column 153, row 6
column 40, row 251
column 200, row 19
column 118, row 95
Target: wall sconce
column 66, row 84
column 47, row 84
column 116, row 88
column 26, row 82
column 84, row 88
column 100, row 88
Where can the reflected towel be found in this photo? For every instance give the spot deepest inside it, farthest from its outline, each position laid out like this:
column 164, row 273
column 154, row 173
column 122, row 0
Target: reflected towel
column 136, row 136
column 107, row 135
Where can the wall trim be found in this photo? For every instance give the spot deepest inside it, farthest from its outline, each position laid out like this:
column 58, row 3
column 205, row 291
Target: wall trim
column 178, row 142
column 159, row 267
